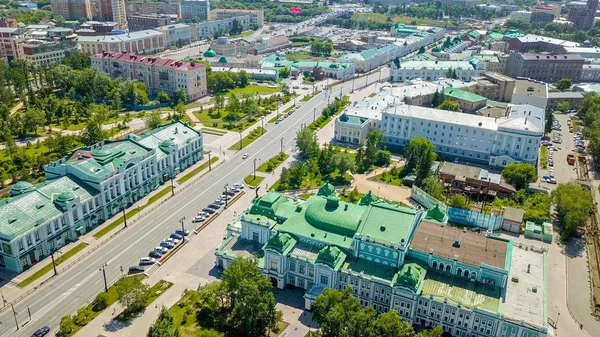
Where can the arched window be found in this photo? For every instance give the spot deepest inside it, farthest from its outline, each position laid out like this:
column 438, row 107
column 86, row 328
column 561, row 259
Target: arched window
column 466, row 274
column 473, row 276
column 448, row 268
column 459, row 271
column 434, row 264
column 441, row 266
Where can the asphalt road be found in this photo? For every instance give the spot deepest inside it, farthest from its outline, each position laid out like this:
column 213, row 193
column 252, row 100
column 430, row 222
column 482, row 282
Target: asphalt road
column 79, row 285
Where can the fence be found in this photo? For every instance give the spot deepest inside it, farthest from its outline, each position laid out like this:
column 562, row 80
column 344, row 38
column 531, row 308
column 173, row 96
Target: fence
column 426, row 200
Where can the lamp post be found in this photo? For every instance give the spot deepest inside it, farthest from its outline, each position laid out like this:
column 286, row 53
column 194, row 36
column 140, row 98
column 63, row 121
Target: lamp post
column 209, row 168
column 123, row 206
column 182, row 222
column 53, row 265
column 262, row 125
column 281, row 142
column 241, row 144
column 172, row 187
column 255, row 168
column 15, row 314
column 103, row 270
column 314, row 114
column 226, row 186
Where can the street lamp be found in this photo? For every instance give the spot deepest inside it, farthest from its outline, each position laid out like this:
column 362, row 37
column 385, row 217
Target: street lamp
column 281, row 141
column 262, row 125
column 209, row 168
column 123, row 206
column 255, row 168
column 226, row 195
column 241, row 144
column 182, row 221
column 103, row 270
column 53, row 265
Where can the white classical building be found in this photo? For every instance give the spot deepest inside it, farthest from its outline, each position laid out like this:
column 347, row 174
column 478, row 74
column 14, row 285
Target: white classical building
column 433, row 70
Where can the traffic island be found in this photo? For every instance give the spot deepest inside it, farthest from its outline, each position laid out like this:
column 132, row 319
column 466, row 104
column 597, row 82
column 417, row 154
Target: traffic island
column 147, row 298
column 251, row 137
column 253, row 181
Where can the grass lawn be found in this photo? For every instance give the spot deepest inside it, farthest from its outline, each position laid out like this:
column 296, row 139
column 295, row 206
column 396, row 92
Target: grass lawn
column 60, row 259
column 245, row 34
column 253, row 90
column 389, row 178
column 298, row 56
column 219, row 131
column 273, row 163
column 197, row 170
column 184, row 314
column 72, row 127
column 544, row 157
column 250, row 181
column 153, row 293
column 275, row 186
column 132, row 212
column 240, row 126
column 382, row 18
column 278, row 329
column 350, row 196
column 34, row 150
column 312, row 334
column 252, row 136
column 305, row 195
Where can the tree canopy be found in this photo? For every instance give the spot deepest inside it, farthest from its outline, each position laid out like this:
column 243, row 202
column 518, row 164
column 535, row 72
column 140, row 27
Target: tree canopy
column 519, row 175
column 573, row 206
column 563, row 84
column 450, row 105
column 420, row 155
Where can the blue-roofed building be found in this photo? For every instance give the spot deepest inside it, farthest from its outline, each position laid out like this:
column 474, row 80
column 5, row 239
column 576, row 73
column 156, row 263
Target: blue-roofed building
column 27, row 5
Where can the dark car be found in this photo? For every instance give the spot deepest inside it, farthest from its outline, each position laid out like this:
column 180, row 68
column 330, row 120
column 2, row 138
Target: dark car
column 155, row 254
column 43, row 331
column 208, row 210
column 136, row 270
column 214, row 206
column 177, row 236
column 183, row 232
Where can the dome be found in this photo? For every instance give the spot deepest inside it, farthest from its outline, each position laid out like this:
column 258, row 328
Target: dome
column 209, row 53
column 367, row 199
column 278, row 242
column 166, row 145
column 326, row 190
column 435, row 214
column 20, row 188
column 328, row 215
column 101, row 152
column 410, row 276
column 223, row 59
column 65, row 197
column 328, row 256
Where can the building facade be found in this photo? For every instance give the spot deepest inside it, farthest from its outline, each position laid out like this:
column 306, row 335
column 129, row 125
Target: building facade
column 494, row 86
column 139, row 43
column 392, row 258
column 46, row 47
column 110, row 10
column 257, row 16
column 433, row 70
column 157, row 73
column 191, row 9
column 137, row 22
column 545, row 67
column 149, row 7
column 582, row 14
column 72, row 9
column 8, row 43
column 210, row 29
column 88, row 187
column 177, row 34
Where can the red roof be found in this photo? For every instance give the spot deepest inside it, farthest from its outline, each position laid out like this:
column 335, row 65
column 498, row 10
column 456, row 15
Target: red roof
column 156, row 61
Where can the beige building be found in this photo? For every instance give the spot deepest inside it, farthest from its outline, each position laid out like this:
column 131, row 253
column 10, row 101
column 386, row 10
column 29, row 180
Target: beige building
column 140, row 43
column 110, row 10
column 257, row 16
column 8, row 45
column 46, row 47
column 158, row 74
column 494, row 86
column 72, row 9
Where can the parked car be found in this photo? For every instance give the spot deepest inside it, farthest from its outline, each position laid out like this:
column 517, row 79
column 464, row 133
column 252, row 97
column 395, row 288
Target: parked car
column 173, row 241
column 161, row 250
column 225, row 197
column 238, row 186
column 183, row 232
column 208, row 210
column 176, row 236
column 167, row 244
column 147, row 260
column 43, row 331
column 204, row 214
column 219, row 202
column 198, row 218
column 135, row 270
column 214, row 206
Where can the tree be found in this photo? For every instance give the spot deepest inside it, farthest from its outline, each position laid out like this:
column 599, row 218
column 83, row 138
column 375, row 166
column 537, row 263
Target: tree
column 132, row 293
column 372, row 146
column 434, row 187
column 77, row 61
column 284, row 72
column 163, row 97
column 100, row 302
column 209, row 333
column 93, row 133
column 435, row 100
column 163, row 327
column 519, row 175
column 573, row 205
column 384, row 158
column 180, row 97
column 236, row 28
column 307, row 143
column 390, row 324
column 449, row 105
column 153, row 120
column 436, row 331
column 458, row 201
column 180, row 111
column 420, row 156
column 243, row 79
column 563, row 84
column 343, row 161
column 563, row 106
column 549, row 120
column 66, row 327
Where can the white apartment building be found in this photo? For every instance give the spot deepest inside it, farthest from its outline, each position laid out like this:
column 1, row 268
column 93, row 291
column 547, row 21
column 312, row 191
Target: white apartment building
column 524, row 16
column 158, row 74
column 257, row 16
column 176, row 33
column 142, row 42
column 208, row 29
column 195, row 9
column 531, row 92
column 433, row 70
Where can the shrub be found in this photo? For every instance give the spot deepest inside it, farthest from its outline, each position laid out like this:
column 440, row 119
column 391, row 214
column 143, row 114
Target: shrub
column 100, row 302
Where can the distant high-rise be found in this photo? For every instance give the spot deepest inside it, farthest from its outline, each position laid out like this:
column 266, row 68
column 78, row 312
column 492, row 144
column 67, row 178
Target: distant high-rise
column 191, row 9
column 110, row 10
column 72, row 9
column 582, row 14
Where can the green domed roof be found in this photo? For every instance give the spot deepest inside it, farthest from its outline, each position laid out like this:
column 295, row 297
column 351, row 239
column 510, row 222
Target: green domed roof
column 435, row 50
column 20, row 188
column 65, row 197
column 209, row 53
column 167, row 143
column 281, row 242
column 367, row 199
column 223, row 59
column 435, row 214
column 331, row 215
column 329, row 256
column 326, row 190
column 410, row 276
column 101, row 152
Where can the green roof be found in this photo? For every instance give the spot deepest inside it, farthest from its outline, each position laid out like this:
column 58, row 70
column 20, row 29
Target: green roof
column 357, row 120
column 496, row 36
column 210, row 53
column 281, row 242
column 387, row 223
column 463, row 95
column 163, row 137
column 435, row 215
column 331, row 256
column 376, row 270
column 411, row 276
column 460, row 290
column 275, row 206
column 371, row 53
column 332, row 215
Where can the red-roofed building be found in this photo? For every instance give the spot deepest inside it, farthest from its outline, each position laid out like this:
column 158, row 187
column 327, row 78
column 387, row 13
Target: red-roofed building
column 159, row 74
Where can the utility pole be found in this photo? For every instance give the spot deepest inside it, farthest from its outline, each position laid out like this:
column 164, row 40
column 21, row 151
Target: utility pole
column 15, row 314
column 353, row 78
column 182, row 222
column 262, row 125
column 3, row 299
column 255, row 168
column 209, row 168
column 281, row 141
column 241, row 144
column 103, row 270
column 226, row 195
column 29, row 312
column 53, row 265
column 123, row 207
column 172, row 187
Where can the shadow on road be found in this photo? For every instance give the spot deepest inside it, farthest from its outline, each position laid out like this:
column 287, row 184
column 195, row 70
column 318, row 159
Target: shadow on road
column 113, row 326
column 574, row 248
column 294, row 298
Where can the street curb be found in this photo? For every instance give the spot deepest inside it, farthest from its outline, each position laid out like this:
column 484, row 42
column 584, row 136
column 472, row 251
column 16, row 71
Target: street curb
column 172, row 252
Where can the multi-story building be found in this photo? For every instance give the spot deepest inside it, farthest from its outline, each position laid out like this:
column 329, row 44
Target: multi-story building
column 177, row 34
column 394, row 258
column 88, row 187
column 433, row 70
column 272, row 44
column 475, row 139
column 545, row 67
column 47, row 46
column 140, row 43
column 493, row 62
column 8, row 43
column 494, row 86
column 529, row 42
column 582, row 14
column 590, row 72
column 585, row 52
column 72, row 9
column 524, row 16
column 468, row 101
column 191, row 9
column 257, row 16
column 210, row 29
column 530, row 91
column 110, row 10
column 96, row 28
column 223, row 46
column 137, row 22
column 537, row 17
column 149, row 7
column 157, row 73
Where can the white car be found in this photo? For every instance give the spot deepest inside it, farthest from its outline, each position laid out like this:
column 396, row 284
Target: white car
column 219, row 202
column 245, row 156
column 198, row 219
column 204, row 214
column 147, row 260
column 175, row 241
column 238, row 186
column 161, row 250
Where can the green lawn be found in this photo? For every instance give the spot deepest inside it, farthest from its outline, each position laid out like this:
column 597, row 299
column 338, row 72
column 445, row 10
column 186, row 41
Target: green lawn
column 279, row 329
column 240, row 126
column 275, row 186
column 382, row 18
column 132, row 212
column 32, row 151
column 153, row 293
column 389, row 178
column 253, row 90
column 245, row 34
column 544, row 157
column 273, row 163
column 251, row 137
column 298, row 56
column 209, row 130
column 58, row 260
column 250, row 181
column 197, row 170
column 184, row 314
column 305, row 195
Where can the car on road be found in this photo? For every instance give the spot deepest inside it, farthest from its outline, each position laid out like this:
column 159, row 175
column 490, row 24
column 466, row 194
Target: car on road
column 43, row 331
column 198, row 218
column 219, row 202
column 214, row 206
column 183, row 232
column 167, row 244
column 245, row 156
column 239, row 186
column 147, row 260
column 225, row 197
column 204, row 214
column 208, row 210
column 161, row 250
column 135, row 270
column 155, row 254
column 173, row 240
column 176, row 236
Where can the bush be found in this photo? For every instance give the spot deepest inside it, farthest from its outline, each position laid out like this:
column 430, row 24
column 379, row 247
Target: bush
column 100, row 302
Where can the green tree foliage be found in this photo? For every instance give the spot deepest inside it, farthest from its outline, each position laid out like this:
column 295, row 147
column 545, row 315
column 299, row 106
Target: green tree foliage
column 563, row 106
column 77, row 61
column 307, row 143
column 420, row 156
column 519, row 175
column 153, row 120
column 163, row 97
column 236, row 28
column 132, row 293
column 66, row 327
column 589, row 112
column 563, row 84
column 450, row 105
column 549, row 120
column 319, row 48
column 434, row 187
column 221, row 81
column 573, row 206
column 179, row 111
column 163, row 327
column 284, row 72
column 180, row 97
column 100, row 302
column 369, row 152
column 458, row 201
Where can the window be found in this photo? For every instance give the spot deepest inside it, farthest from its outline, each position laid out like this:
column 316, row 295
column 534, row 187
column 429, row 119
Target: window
column 254, row 236
column 21, row 246
column 311, row 271
column 37, row 236
column 324, row 280
column 302, row 269
column 274, row 265
column 292, row 265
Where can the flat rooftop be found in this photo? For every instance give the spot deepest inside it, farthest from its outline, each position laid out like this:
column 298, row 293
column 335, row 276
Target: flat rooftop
column 474, row 249
column 525, row 299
